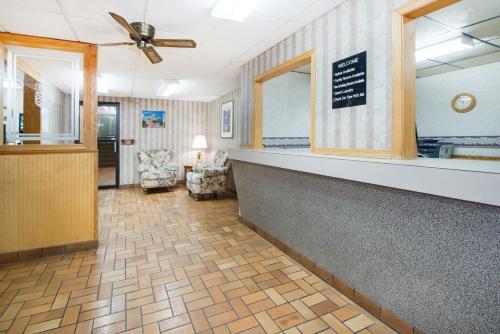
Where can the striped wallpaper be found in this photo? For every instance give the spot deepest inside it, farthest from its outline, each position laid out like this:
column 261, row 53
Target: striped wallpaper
column 352, row 27
column 184, row 119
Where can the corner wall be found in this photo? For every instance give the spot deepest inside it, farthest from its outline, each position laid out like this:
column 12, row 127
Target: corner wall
column 184, row 120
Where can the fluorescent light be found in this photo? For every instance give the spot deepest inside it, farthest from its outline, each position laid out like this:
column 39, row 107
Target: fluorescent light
column 441, row 49
column 168, row 87
column 102, row 84
column 236, row 10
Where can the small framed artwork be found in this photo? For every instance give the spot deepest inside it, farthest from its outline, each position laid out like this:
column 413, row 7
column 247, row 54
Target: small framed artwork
column 227, row 114
column 153, row 119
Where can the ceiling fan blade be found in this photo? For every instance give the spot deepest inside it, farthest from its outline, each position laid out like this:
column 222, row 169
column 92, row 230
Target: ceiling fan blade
column 152, row 55
column 116, row 44
column 174, row 43
column 125, row 25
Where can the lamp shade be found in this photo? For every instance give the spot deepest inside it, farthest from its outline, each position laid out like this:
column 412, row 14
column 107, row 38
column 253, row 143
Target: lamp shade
column 199, row 142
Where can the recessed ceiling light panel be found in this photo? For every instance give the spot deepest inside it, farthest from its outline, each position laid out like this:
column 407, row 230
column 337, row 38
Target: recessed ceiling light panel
column 235, row 10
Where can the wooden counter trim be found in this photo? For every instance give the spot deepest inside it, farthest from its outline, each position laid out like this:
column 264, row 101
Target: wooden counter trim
column 379, row 312
column 48, row 251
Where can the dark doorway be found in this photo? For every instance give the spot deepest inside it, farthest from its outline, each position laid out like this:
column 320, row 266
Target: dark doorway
column 108, row 144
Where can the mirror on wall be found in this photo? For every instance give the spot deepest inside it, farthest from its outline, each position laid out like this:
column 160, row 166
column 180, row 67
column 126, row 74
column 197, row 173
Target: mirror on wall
column 286, row 110
column 458, row 70
column 41, row 94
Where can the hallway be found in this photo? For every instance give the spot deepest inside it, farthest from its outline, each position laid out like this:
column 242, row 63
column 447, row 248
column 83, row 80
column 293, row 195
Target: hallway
column 169, row 264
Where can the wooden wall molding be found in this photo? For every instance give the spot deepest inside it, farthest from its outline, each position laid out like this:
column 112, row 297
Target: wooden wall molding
column 47, row 251
column 378, row 311
column 404, row 143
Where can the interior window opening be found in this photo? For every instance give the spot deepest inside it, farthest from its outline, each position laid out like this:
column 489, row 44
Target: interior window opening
column 458, row 81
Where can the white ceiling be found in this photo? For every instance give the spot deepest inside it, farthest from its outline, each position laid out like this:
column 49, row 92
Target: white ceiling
column 478, row 18
column 205, row 73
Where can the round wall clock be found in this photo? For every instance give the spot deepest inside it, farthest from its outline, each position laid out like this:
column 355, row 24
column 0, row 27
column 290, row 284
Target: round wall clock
column 464, row 102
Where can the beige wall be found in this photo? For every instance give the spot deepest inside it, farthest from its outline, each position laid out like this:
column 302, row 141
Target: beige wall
column 184, row 120
column 352, row 27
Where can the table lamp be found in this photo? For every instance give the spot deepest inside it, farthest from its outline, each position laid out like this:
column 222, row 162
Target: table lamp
column 199, row 143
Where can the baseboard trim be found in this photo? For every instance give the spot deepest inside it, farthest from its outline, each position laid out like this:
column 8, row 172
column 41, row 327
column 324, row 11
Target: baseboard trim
column 379, row 312
column 47, row 251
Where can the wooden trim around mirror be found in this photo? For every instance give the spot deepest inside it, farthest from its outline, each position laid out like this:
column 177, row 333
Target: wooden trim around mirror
column 258, row 95
column 88, row 130
column 404, row 143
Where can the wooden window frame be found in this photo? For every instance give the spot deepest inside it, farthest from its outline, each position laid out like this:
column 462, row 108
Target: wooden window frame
column 258, row 96
column 88, row 131
column 404, row 143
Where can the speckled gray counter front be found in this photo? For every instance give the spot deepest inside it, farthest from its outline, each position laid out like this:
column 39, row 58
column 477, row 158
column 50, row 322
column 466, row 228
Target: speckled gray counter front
column 431, row 260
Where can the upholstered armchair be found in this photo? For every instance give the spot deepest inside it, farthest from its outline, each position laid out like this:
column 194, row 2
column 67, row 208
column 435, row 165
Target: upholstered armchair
column 209, row 179
column 156, row 170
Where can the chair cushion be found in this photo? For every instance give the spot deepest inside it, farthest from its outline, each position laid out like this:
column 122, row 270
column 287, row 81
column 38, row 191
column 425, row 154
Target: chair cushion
column 210, row 171
column 157, row 174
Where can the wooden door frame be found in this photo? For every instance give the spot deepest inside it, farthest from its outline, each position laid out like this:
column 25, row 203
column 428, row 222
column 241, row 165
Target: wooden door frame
column 404, row 143
column 258, row 95
column 117, row 153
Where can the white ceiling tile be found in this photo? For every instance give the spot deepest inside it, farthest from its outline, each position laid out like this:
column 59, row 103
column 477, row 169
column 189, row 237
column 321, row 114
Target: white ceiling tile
column 229, row 39
column 318, row 9
column 34, row 22
column 271, row 39
column 485, row 30
column 116, row 58
column 187, row 18
column 95, row 9
column 132, row 11
column 481, row 60
column 283, row 9
column 428, row 32
column 97, row 31
column 435, row 70
column 44, row 5
column 467, row 12
column 426, row 63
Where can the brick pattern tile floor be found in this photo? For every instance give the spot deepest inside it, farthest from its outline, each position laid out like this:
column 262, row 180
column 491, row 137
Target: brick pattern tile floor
column 169, row 264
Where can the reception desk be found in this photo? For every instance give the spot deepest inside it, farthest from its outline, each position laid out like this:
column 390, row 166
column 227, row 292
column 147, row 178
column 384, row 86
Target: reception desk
column 418, row 239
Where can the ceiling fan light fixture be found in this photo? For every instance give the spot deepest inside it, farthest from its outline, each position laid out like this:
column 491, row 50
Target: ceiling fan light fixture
column 168, row 87
column 235, row 10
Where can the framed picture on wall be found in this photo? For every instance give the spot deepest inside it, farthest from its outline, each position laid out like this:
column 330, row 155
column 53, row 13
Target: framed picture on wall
column 227, row 114
column 153, row 119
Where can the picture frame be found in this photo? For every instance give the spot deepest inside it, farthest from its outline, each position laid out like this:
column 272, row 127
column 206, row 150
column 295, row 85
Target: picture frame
column 153, row 119
column 227, row 116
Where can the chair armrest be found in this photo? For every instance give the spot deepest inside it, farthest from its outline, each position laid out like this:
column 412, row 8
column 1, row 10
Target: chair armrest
column 142, row 168
column 171, row 167
column 214, row 171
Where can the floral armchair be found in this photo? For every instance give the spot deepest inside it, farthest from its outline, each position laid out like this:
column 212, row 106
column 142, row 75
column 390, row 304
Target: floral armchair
column 209, row 179
column 156, row 170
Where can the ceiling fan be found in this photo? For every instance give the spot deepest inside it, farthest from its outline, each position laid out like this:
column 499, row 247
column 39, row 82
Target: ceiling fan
column 143, row 35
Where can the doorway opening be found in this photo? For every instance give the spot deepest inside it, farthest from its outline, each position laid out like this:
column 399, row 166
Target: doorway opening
column 108, row 137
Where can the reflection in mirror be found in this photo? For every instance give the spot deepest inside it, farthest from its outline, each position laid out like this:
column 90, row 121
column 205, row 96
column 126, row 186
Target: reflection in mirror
column 42, row 90
column 458, row 66
column 286, row 110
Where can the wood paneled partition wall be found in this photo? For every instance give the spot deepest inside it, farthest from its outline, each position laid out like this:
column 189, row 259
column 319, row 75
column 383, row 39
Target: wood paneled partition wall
column 49, row 192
